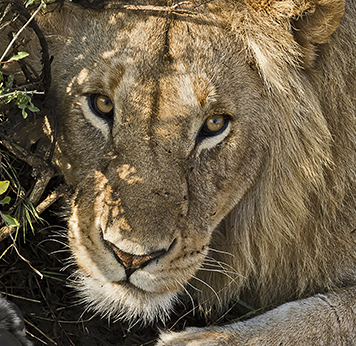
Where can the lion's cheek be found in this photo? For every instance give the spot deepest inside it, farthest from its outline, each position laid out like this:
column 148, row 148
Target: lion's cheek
column 90, row 254
column 97, row 263
column 96, row 269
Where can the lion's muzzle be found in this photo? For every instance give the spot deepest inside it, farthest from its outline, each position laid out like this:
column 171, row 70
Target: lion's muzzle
column 132, row 262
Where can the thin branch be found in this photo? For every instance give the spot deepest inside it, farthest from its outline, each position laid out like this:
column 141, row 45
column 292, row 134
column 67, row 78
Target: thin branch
column 20, row 31
column 171, row 9
column 10, row 230
column 6, row 11
column 33, row 92
column 42, row 171
column 41, row 332
column 28, row 262
column 46, row 61
column 63, row 190
column 6, row 232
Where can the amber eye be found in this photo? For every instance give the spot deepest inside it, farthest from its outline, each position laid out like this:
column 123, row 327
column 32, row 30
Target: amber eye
column 214, row 125
column 101, row 105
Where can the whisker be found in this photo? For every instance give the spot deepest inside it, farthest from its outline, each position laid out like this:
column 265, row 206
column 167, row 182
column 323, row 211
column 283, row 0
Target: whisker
column 58, row 235
column 203, row 282
column 219, row 251
column 218, row 271
column 192, row 286
column 69, row 263
column 189, row 295
column 54, row 228
column 55, row 241
column 58, row 251
column 66, row 267
column 223, row 270
column 188, row 283
column 221, row 264
column 86, row 309
column 131, row 324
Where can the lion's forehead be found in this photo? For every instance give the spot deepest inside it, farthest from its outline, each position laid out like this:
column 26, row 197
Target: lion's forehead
column 146, row 50
column 158, row 70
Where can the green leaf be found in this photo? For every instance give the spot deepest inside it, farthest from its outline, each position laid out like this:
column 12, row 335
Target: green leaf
column 4, row 185
column 24, row 114
column 32, row 108
column 9, row 83
column 19, row 55
column 29, row 2
column 6, row 200
column 10, row 220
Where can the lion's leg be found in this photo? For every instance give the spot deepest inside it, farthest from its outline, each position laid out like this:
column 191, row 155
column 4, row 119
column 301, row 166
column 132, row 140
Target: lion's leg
column 12, row 328
column 324, row 319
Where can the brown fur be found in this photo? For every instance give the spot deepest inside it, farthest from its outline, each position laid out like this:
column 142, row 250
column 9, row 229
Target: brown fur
column 271, row 204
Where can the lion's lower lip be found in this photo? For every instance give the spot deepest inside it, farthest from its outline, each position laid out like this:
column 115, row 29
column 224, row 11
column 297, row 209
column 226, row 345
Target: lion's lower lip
column 128, row 285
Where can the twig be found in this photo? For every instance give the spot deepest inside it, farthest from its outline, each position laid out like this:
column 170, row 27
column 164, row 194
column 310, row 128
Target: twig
column 41, row 169
column 28, row 262
column 6, row 232
column 20, row 297
column 53, row 314
column 19, row 32
column 18, row 253
column 46, row 61
column 32, row 92
column 4, row 253
column 172, row 9
column 6, row 11
column 63, row 190
column 34, row 336
column 41, row 332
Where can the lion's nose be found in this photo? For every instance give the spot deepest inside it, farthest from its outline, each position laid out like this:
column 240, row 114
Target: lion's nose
column 133, row 262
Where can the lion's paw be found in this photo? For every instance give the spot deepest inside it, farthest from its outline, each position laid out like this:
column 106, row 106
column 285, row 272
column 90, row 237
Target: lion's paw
column 12, row 327
column 194, row 337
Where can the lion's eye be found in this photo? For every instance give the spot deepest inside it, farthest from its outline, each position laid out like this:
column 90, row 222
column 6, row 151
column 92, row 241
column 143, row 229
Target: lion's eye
column 101, row 105
column 214, row 125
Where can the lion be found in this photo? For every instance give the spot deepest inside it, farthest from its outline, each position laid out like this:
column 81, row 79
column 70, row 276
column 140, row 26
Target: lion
column 211, row 147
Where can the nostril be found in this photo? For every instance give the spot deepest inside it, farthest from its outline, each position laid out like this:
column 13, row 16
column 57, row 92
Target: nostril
column 130, row 260
column 133, row 262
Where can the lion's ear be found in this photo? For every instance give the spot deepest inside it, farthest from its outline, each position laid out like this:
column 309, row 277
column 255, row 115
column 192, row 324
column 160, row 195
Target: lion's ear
column 316, row 26
column 311, row 21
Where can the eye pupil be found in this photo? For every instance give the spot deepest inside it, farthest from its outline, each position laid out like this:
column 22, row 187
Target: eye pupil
column 101, row 105
column 214, row 125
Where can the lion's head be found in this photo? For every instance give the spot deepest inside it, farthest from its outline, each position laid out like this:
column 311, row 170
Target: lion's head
column 204, row 150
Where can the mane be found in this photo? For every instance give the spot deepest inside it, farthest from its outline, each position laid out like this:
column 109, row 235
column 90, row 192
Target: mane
column 289, row 235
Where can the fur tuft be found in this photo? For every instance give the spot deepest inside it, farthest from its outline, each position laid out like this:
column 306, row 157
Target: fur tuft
column 119, row 302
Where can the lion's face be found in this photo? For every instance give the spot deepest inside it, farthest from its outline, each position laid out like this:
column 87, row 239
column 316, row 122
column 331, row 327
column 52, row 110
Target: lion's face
column 162, row 133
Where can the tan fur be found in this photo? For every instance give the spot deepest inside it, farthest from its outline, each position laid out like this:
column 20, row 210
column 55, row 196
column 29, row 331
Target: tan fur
column 265, row 212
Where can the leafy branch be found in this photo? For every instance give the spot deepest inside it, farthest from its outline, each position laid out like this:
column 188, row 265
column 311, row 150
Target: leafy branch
column 20, row 210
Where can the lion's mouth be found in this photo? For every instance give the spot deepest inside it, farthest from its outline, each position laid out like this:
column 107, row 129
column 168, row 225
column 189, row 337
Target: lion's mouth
column 132, row 262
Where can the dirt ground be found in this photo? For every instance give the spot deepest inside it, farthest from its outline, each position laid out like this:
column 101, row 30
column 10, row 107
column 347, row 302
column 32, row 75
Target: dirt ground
column 49, row 306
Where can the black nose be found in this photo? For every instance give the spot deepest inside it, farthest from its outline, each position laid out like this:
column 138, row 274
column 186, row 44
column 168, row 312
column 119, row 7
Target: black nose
column 133, row 262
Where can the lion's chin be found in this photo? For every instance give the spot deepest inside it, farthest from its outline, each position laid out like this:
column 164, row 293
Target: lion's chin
column 123, row 301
